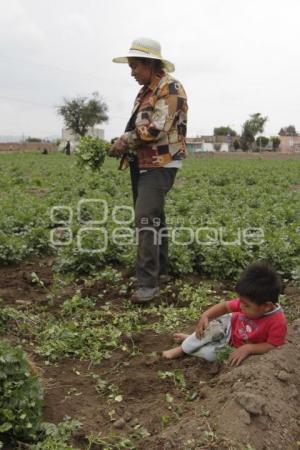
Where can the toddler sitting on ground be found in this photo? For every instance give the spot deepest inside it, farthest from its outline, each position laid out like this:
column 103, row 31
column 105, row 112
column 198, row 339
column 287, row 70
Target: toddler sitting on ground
column 253, row 323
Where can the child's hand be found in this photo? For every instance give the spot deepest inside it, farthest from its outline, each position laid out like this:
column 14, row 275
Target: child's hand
column 238, row 355
column 201, row 326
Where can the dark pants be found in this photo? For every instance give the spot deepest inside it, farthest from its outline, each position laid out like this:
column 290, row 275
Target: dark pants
column 152, row 255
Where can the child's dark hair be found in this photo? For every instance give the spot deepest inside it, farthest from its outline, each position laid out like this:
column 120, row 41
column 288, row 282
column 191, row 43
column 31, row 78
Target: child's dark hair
column 260, row 283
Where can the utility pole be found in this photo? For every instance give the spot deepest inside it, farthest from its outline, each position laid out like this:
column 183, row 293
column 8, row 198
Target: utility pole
column 259, row 144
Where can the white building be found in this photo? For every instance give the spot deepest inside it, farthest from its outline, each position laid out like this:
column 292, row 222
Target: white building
column 68, row 135
column 205, row 147
column 224, row 147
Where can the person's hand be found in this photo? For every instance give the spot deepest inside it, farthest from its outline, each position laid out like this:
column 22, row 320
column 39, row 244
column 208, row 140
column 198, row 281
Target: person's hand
column 117, row 149
column 201, row 326
column 238, row 355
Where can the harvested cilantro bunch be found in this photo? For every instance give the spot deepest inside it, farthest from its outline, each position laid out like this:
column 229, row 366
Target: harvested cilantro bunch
column 91, row 152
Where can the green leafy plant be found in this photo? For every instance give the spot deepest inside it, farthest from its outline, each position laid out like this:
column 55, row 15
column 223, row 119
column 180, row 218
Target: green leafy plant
column 176, row 375
column 21, row 395
column 91, row 152
column 77, row 304
column 110, row 390
column 223, row 353
column 56, row 437
column 235, row 195
column 110, row 442
column 82, row 331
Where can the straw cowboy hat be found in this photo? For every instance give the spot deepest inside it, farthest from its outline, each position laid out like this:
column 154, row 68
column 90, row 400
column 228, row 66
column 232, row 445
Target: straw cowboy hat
column 145, row 48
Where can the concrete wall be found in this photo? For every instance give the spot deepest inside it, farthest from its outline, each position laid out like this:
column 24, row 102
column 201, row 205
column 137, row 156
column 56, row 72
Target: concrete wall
column 67, row 134
column 289, row 144
column 26, row 146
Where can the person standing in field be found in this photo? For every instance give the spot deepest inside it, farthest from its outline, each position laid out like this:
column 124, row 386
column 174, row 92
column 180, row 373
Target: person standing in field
column 67, row 148
column 156, row 132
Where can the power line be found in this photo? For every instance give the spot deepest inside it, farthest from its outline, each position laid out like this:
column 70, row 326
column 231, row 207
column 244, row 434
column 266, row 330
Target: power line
column 55, row 68
column 20, row 100
column 47, row 66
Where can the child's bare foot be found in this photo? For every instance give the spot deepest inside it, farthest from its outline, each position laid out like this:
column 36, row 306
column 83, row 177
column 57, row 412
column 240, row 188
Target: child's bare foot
column 179, row 337
column 173, row 353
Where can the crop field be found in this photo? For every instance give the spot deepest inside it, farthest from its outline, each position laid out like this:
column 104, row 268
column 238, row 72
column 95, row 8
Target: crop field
column 67, row 252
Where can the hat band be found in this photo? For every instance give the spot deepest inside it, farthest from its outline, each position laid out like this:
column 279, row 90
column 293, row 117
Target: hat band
column 146, row 50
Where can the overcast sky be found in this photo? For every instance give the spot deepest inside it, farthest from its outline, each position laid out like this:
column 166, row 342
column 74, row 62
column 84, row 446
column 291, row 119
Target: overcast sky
column 234, row 58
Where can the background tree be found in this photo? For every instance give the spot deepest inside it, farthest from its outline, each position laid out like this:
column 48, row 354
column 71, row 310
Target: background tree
column 250, row 129
column 288, row 131
column 236, row 144
column 80, row 113
column 275, row 142
column 262, row 141
column 33, row 139
column 224, row 131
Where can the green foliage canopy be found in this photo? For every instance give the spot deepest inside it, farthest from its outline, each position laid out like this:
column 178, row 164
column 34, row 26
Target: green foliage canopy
column 80, row 113
column 224, row 131
column 251, row 128
column 275, row 142
column 262, row 141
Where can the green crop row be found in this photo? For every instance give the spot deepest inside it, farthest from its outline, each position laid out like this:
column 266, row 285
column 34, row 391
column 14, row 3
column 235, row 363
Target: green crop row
column 222, row 213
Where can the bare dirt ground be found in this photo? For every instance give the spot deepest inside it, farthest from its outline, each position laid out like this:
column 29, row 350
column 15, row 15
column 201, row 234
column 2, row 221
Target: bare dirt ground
column 254, row 406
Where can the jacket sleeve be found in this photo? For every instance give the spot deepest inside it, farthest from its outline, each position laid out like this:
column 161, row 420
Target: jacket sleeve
column 167, row 105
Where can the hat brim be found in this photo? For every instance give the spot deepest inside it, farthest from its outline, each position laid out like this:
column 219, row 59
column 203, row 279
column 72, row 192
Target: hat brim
column 137, row 54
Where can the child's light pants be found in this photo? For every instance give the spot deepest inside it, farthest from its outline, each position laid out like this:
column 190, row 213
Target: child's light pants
column 216, row 336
